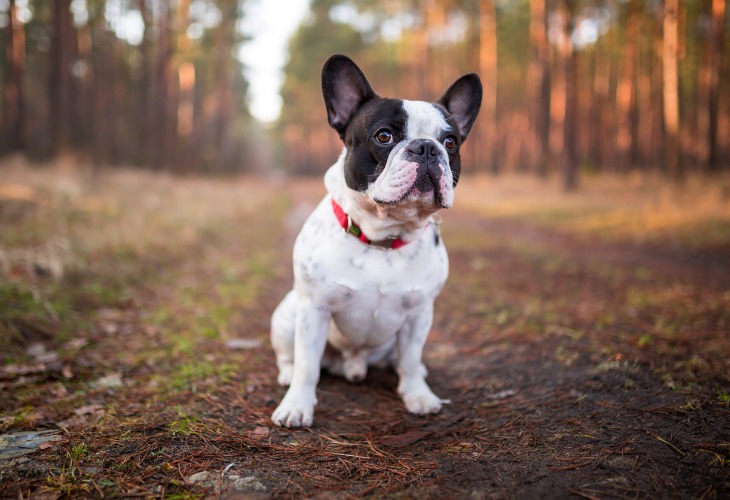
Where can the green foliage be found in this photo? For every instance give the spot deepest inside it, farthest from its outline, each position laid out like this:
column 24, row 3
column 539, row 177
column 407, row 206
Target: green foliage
column 185, row 425
column 190, row 376
column 17, row 303
column 28, row 313
column 723, row 397
column 79, row 451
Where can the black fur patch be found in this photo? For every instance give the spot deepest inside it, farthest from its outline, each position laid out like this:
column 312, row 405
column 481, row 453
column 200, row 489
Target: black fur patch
column 366, row 157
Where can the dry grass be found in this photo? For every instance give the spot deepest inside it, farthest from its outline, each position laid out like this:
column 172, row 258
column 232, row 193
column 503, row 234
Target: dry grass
column 638, row 207
column 118, row 209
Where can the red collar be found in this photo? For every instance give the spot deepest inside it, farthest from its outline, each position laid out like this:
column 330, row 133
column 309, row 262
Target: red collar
column 351, row 228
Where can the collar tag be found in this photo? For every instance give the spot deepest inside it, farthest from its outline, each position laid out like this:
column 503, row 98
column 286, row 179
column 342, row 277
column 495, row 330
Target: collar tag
column 352, row 228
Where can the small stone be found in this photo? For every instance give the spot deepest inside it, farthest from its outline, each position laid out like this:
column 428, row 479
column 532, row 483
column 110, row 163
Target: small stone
column 111, row 381
column 89, row 470
column 240, row 344
column 22, row 443
column 249, row 483
column 199, row 477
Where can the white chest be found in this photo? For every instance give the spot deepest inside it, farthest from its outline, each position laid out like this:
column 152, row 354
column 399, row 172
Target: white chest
column 370, row 292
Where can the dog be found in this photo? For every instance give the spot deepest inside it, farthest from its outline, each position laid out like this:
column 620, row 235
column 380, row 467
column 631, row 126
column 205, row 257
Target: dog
column 369, row 261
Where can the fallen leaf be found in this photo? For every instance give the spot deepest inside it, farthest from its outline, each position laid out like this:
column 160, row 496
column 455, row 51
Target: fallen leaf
column 16, row 370
column 88, row 410
column 109, row 327
column 260, row 431
column 75, row 344
column 108, row 382
column 89, row 470
column 40, row 354
column 408, row 437
column 36, row 349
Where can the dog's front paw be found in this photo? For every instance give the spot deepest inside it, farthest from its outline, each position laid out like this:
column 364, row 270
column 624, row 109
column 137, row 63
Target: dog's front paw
column 423, row 404
column 419, row 398
column 295, row 410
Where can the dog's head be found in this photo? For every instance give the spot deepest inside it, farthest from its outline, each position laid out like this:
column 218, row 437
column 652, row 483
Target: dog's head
column 398, row 151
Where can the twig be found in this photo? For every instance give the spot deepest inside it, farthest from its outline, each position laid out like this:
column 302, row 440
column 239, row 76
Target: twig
column 671, row 445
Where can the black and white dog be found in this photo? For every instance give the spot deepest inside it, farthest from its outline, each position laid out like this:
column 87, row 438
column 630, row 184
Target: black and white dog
column 369, row 261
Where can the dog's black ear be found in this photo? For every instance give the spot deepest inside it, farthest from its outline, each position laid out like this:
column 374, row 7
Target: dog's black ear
column 345, row 90
column 462, row 100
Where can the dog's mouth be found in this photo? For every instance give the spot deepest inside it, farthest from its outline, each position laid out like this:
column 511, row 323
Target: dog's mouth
column 423, row 192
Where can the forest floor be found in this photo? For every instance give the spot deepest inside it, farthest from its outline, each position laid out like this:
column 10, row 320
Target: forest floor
column 583, row 340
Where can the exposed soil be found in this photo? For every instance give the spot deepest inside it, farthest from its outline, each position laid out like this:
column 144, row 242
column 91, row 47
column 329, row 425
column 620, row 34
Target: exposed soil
column 576, row 366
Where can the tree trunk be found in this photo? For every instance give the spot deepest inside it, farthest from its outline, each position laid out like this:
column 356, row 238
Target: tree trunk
column 717, row 38
column 143, row 112
column 61, row 84
column 569, row 61
column 420, row 55
column 224, row 78
column 85, row 81
column 538, row 87
column 626, row 91
column 657, row 96
column 15, row 64
column 161, row 148
column 671, row 87
column 559, row 87
column 435, row 22
column 646, row 62
column 488, row 69
column 186, row 81
column 104, row 110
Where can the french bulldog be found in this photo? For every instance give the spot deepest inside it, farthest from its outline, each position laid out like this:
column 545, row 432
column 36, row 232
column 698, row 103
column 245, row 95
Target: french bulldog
column 370, row 260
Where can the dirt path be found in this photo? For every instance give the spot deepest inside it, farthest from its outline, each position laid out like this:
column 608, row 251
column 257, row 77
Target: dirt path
column 575, row 396
column 576, row 367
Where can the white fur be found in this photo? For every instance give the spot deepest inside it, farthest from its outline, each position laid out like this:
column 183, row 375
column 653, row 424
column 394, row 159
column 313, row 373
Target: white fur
column 424, row 120
column 353, row 304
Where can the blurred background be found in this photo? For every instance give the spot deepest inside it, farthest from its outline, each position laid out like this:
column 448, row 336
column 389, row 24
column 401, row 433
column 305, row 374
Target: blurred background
column 222, row 86
column 157, row 159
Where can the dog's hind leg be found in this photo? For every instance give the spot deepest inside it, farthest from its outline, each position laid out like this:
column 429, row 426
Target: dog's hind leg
column 332, row 360
column 348, row 363
column 355, row 365
column 387, row 357
column 282, row 336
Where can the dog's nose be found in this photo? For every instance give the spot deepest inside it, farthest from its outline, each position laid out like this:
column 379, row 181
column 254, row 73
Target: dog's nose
column 423, row 147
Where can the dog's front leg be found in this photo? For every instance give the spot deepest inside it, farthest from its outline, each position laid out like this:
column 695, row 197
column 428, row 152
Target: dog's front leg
column 310, row 338
column 412, row 387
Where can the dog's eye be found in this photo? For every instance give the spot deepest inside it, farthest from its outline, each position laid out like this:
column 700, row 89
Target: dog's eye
column 450, row 143
column 384, row 136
